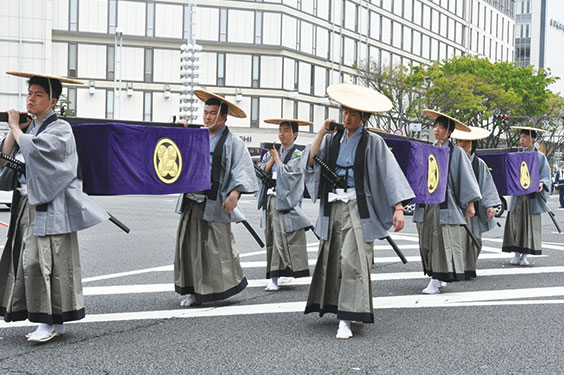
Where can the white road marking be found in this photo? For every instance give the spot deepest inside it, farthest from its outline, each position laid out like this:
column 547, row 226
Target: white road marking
column 262, row 264
column 481, row 298
column 261, row 283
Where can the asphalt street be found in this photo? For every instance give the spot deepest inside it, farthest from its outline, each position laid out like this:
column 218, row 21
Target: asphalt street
column 508, row 320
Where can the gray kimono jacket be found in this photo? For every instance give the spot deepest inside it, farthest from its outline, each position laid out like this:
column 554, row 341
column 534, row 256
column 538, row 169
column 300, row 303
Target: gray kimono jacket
column 490, row 197
column 237, row 173
column 462, row 189
column 537, row 204
column 51, row 179
column 289, row 190
column 384, row 185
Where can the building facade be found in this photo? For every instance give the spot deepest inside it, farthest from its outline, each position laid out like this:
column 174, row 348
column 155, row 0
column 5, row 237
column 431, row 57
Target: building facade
column 539, row 36
column 274, row 58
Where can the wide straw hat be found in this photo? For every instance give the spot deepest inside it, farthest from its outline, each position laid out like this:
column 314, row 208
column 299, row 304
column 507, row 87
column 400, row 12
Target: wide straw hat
column 433, row 115
column 232, row 109
column 359, row 98
column 279, row 121
column 380, row 130
column 49, row 76
column 475, row 134
column 530, row 128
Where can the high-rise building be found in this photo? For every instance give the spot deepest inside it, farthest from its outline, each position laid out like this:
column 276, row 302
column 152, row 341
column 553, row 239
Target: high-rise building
column 539, row 36
column 274, row 58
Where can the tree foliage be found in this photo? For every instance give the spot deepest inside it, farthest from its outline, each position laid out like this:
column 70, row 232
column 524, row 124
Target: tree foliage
column 473, row 90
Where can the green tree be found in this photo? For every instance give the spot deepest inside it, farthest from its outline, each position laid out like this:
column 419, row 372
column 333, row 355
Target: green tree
column 64, row 105
column 469, row 88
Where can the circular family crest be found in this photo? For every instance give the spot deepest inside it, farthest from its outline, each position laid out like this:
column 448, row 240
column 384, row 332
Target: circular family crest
column 167, row 161
column 432, row 174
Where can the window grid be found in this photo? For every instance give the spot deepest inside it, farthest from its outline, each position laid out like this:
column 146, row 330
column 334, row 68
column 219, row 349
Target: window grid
column 255, row 110
column 72, row 60
column 221, row 69
column 110, row 63
column 256, row 71
column 109, row 104
column 73, row 15
column 258, row 27
column 148, row 76
column 150, row 21
column 148, row 106
column 112, row 16
column 223, row 25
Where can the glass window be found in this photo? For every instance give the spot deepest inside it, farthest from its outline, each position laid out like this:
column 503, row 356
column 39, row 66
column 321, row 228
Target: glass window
column 148, row 106
column 72, row 60
column 73, row 15
column 356, row 13
column 223, row 25
column 150, row 32
column 298, row 35
column 312, row 80
column 258, row 27
column 109, row 104
column 221, row 69
column 110, row 63
column 256, row 71
column 72, row 100
column 148, row 65
column 314, row 40
column 255, row 112
column 296, row 75
column 112, row 16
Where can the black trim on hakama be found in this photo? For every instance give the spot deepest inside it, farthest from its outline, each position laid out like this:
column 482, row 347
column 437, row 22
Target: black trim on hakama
column 212, row 296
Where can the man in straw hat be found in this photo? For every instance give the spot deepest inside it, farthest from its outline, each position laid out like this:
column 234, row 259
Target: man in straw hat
column 40, row 268
column 283, row 219
column 483, row 220
column 351, row 218
column 206, row 263
column 441, row 235
column 523, row 229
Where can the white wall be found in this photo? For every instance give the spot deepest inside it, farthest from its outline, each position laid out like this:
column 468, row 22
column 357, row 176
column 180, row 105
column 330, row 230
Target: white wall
column 60, row 14
column 133, row 63
column 91, row 105
column 60, row 53
column 208, row 70
column 93, row 16
column 168, row 20
column 131, row 17
column 238, row 70
column 269, row 108
column 166, row 65
column 240, row 26
column 207, row 24
column 270, row 72
column 164, row 108
column 271, row 28
column 92, row 61
column 132, row 106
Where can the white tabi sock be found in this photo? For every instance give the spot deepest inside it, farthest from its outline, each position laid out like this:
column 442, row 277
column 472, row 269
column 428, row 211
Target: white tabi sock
column 344, row 331
column 59, row 328
column 523, row 261
column 433, row 287
column 188, row 301
column 43, row 333
column 516, row 259
column 272, row 285
column 283, row 280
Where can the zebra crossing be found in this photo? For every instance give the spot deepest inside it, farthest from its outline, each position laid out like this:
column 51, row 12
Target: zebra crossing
column 253, row 262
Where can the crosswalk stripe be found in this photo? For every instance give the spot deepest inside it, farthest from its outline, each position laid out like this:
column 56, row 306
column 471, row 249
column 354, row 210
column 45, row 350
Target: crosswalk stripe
column 262, row 264
column 261, row 283
column 481, row 298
